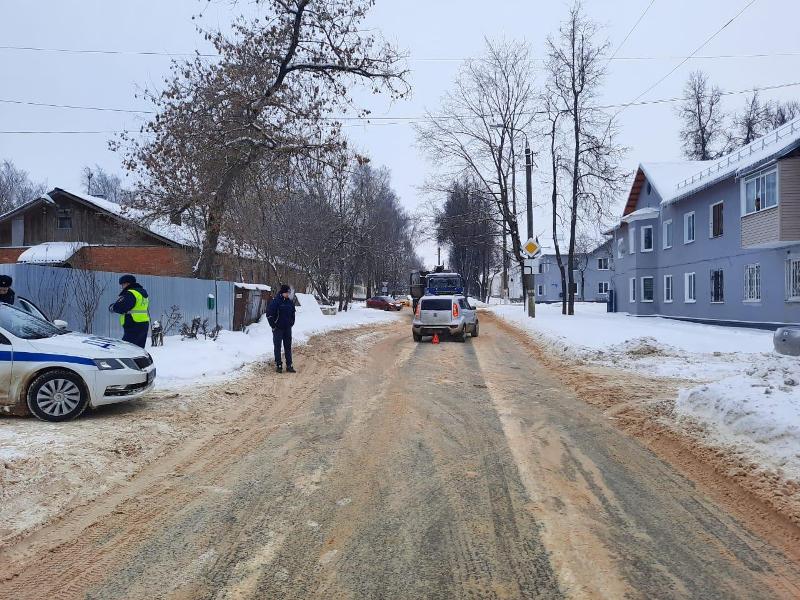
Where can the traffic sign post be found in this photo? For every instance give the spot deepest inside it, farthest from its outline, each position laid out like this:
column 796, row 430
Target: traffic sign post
column 532, row 249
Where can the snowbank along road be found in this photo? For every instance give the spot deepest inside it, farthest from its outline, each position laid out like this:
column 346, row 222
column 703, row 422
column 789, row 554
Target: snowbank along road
column 389, row 469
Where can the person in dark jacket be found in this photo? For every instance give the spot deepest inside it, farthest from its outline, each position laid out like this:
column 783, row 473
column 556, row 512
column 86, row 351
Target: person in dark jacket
column 132, row 307
column 6, row 293
column 280, row 316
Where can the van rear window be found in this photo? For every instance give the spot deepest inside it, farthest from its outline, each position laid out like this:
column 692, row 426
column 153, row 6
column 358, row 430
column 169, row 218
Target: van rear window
column 437, row 304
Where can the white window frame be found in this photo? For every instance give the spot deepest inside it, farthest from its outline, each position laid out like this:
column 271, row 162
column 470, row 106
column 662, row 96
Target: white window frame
column 666, row 240
column 652, row 289
column 686, row 217
column 602, row 285
column 599, row 263
column 793, row 280
column 540, row 290
column 632, row 239
column 620, row 251
column 711, row 286
column 687, row 299
column 644, row 229
column 632, row 290
column 752, row 293
column 668, row 287
column 762, row 175
column 711, row 235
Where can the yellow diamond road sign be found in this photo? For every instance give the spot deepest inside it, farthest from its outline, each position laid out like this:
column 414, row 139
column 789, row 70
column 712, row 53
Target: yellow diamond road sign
column 531, row 248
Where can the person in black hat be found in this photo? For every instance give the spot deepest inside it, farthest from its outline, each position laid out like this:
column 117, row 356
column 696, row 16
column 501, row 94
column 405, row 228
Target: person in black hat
column 280, row 316
column 6, row 293
column 132, row 306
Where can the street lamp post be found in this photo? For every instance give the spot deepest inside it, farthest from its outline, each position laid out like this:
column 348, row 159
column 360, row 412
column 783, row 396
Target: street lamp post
column 531, row 296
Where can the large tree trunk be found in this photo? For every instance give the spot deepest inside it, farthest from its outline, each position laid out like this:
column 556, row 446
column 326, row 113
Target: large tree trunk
column 207, row 263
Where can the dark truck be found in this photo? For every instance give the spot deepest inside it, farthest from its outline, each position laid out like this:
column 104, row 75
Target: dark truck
column 434, row 283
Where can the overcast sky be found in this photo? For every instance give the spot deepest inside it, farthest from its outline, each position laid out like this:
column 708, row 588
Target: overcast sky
column 438, row 34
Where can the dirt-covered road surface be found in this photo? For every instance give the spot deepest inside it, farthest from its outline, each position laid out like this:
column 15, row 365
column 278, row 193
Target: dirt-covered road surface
column 388, row 469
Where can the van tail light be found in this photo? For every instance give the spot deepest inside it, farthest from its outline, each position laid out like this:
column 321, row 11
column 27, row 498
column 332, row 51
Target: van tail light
column 455, row 310
column 419, row 305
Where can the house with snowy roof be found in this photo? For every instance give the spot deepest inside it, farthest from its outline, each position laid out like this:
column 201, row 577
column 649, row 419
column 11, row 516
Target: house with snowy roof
column 71, row 229
column 714, row 241
column 592, row 275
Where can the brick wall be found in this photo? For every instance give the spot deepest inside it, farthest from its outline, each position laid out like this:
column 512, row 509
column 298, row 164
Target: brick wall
column 144, row 260
column 10, row 255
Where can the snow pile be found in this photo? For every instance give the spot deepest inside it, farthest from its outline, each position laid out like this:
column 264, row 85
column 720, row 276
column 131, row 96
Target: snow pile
column 187, row 362
column 50, row 253
column 738, row 389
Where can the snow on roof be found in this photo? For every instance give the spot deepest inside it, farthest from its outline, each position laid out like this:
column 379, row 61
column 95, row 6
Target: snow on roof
column 641, row 214
column 763, row 150
column 50, row 253
column 664, row 176
column 253, row 286
column 180, row 234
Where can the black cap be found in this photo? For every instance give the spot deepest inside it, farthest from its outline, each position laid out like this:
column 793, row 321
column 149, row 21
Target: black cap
column 285, row 288
column 129, row 279
column 5, row 281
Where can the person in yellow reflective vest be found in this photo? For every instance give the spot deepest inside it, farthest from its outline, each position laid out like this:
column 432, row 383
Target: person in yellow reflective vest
column 132, row 306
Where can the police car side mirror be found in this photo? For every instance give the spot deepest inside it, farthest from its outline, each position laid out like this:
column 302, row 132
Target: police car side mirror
column 62, row 325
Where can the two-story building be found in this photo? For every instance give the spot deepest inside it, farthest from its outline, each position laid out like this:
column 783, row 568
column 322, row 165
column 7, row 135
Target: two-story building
column 592, row 275
column 715, row 241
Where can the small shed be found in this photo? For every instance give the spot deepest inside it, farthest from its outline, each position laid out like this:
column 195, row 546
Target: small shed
column 250, row 301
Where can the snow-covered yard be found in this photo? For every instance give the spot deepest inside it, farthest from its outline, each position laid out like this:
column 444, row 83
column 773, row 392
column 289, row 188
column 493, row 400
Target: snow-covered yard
column 744, row 394
column 187, row 362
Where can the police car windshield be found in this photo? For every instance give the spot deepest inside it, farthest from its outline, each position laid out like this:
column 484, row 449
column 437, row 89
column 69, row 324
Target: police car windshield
column 25, row 326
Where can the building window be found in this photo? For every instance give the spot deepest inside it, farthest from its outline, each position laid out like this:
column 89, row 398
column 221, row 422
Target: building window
column 667, row 288
column 688, row 228
column 793, row 279
column 64, row 218
column 632, row 239
column 602, row 264
column 761, row 192
column 752, row 283
column 689, row 288
column 632, row 289
column 620, row 248
column 667, row 234
column 540, row 290
column 647, row 238
column 649, row 188
column 715, row 220
column 647, row 289
column 544, row 267
column 717, row 286
column 602, row 287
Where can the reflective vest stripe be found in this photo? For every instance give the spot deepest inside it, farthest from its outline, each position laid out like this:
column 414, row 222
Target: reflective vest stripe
column 139, row 313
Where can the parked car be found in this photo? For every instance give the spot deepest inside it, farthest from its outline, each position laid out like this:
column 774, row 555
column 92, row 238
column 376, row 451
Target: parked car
column 450, row 315
column 56, row 374
column 787, row 341
column 384, row 303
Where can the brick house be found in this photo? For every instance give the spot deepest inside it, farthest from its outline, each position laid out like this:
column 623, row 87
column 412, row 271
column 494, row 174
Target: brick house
column 65, row 228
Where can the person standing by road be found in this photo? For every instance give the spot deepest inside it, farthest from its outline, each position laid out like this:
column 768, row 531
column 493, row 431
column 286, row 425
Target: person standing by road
column 132, row 308
column 280, row 316
column 6, row 293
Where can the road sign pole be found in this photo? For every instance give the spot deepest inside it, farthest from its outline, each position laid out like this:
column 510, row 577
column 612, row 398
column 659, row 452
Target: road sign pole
column 529, row 200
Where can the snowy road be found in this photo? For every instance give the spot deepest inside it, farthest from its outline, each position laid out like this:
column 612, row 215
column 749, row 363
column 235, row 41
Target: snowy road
column 388, row 469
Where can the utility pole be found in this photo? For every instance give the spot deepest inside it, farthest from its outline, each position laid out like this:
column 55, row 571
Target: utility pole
column 531, row 291
column 438, row 255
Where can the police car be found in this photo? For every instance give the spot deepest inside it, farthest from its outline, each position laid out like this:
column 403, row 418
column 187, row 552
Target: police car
column 56, row 374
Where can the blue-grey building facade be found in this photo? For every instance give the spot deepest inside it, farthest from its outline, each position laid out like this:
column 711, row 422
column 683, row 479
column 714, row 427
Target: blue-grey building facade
column 592, row 275
column 715, row 241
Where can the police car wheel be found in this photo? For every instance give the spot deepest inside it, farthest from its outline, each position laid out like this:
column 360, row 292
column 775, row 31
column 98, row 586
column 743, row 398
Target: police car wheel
column 57, row 395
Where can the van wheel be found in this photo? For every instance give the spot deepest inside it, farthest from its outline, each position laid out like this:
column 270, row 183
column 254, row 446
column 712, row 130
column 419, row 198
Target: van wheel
column 57, row 395
column 475, row 330
column 462, row 337
column 417, row 337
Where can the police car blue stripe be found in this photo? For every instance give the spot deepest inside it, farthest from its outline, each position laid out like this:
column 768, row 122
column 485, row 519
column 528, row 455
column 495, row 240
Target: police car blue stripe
column 42, row 357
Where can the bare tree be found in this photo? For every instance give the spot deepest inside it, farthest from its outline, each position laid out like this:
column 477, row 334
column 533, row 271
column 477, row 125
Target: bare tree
column 50, row 290
column 88, row 287
column 479, row 125
column 780, row 113
column 576, row 68
column 99, row 182
column 272, row 91
column 703, row 131
column 754, row 121
column 16, row 187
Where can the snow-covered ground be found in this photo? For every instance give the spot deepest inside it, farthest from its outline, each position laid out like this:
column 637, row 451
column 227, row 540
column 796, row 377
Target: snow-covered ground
column 744, row 394
column 187, row 362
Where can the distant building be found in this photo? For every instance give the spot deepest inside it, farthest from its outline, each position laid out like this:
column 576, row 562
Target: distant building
column 715, row 241
column 592, row 275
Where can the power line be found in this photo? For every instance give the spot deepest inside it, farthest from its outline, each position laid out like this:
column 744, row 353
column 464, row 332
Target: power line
column 401, row 120
column 700, row 47
column 75, row 106
column 635, row 25
column 110, row 52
